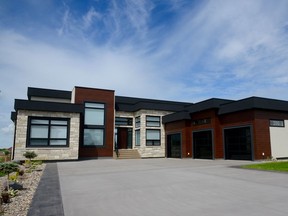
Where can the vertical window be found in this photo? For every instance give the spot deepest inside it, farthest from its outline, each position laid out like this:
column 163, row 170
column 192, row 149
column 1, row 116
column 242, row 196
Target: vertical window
column 137, row 137
column 94, row 124
column 137, row 122
column 152, row 137
column 153, row 121
column 48, row 132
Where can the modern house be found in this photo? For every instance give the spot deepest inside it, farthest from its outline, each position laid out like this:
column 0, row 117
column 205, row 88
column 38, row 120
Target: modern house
column 94, row 123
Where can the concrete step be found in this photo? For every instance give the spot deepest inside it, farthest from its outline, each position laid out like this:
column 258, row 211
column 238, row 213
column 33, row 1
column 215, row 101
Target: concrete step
column 128, row 154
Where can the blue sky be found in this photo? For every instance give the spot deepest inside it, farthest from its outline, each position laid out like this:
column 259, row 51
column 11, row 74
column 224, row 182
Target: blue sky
column 164, row 49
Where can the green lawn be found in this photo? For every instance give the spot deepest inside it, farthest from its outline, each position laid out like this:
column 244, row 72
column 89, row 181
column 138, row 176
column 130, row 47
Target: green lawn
column 272, row 166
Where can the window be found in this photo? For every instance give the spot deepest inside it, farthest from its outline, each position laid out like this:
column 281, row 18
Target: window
column 48, row 132
column 137, row 122
column 94, row 114
column 94, row 137
column 201, row 121
column 94, row 124
column 152, row 137
column 277, row 123
column 120, row 121
column 153, row 121
column 137, row 137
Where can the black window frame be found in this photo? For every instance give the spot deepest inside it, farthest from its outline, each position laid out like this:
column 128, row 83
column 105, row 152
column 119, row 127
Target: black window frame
column 153, row 121
column 49, row 125
column 95, row 127
column 154, row 142
column 277, row 120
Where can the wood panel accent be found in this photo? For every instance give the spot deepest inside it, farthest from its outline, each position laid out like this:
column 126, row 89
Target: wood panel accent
column 107, row 97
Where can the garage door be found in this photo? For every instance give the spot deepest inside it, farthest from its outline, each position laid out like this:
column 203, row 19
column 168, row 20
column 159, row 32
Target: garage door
column 238, row 143
column 202, row 144
column 174, row 145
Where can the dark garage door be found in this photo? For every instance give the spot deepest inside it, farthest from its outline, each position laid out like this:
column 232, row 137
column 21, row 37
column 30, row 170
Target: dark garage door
column 238, row 143
column 174, row 145
column 202, row 144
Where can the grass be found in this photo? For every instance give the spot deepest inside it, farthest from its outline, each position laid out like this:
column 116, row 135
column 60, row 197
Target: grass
column 270, row 166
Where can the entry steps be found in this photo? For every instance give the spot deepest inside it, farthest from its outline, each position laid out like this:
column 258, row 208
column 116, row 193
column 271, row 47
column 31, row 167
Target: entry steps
column 127, row 154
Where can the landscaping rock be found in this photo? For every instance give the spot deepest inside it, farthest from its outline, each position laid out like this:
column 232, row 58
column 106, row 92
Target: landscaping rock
column 16, row 186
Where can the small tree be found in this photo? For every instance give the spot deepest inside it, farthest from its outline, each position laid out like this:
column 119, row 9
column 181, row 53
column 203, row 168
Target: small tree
column 8, row 168
column 6, row 152
column 30, row 155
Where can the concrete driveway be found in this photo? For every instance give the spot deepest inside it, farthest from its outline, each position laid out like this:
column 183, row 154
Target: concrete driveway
column 170, row 187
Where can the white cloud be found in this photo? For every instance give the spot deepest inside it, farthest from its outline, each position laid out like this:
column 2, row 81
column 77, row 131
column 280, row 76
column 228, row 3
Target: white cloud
column 89, row 17
column 228, row 49
column 9, row 129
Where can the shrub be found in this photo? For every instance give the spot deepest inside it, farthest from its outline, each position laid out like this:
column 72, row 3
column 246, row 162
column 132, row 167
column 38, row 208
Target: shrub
column 8, row 168
column 30, row 155
column 14, row 177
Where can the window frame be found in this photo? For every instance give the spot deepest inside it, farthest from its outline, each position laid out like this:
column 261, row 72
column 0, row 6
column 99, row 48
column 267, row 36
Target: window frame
column 96, row 106
column 153, row 140
column 153, row 121
column 49, row 138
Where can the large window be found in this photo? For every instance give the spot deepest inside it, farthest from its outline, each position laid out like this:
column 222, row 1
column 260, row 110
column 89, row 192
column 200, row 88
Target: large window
column 48, row 132
column 94, row 124
column 153, row 121
column 152, row 137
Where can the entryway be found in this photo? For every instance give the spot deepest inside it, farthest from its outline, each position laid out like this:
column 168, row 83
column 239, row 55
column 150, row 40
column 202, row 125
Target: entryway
column 123, row 138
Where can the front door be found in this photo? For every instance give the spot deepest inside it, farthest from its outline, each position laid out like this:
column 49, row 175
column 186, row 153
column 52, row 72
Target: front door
column 123, row 137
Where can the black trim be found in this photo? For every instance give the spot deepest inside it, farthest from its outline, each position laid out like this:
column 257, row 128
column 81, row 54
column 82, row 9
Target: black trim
column 254, row 103
column 48, row 93
column 130, row 104
column 13, row 116
column 48, row 106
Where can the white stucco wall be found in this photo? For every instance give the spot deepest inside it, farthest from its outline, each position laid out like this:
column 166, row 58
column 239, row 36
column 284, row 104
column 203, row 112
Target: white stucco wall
column 279, row 141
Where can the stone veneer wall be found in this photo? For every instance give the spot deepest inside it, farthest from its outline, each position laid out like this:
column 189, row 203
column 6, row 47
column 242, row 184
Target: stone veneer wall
column 147, row 151
column 47, row 153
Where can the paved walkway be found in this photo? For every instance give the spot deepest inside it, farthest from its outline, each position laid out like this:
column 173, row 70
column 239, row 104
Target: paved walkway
column 47, row 200
column 170, row 187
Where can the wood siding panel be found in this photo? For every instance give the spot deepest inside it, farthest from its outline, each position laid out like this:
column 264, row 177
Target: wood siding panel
column 107, row 97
